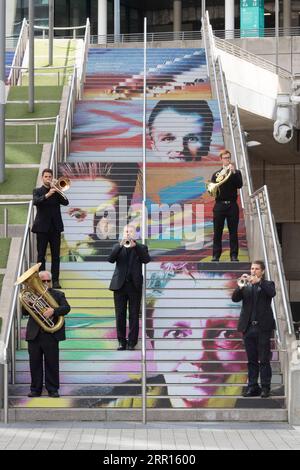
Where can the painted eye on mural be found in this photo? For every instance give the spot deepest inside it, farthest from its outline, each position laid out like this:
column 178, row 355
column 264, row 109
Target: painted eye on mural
column 177, row 333
column 168, row 138
column 227, row 334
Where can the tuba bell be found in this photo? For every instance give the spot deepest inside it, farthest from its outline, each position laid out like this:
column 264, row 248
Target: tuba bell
column 35, row 299
column 61, row 185
column 221, row 177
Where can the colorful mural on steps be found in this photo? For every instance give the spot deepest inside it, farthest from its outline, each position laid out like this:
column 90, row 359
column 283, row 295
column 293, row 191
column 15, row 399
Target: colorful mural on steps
column 195, row 358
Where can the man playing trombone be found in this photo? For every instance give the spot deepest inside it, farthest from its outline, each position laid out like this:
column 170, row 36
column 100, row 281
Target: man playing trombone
column 257, row 323
column 48, row 223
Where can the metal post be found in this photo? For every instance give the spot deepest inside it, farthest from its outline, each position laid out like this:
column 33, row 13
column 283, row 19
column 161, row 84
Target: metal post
column 2, row 89
column 5, row 222
column 203, row 6
column 5, row 392
column 51, row 31
column 31, row 58
column 277, row 30
column 117, row 20
column 144, row 234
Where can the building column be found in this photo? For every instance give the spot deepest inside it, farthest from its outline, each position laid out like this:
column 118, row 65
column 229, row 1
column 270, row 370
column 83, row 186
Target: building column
column 287, row 13
column 102, row 21
column 177, row 15
column 229, row 19
column 117, row 20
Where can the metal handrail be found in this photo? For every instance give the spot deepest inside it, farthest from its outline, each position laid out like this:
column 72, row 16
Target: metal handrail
column 82, row 68
column 25, row 249
column 256, row 32
column 151, row 37
column 32, row 122
column 67, row 133
column 19, row 54
column 251, row 198
column 55, row 156
column 237, row 51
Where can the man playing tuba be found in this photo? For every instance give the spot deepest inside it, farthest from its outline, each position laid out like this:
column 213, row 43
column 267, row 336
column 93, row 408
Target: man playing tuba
column 228, row 180
column 43, row 345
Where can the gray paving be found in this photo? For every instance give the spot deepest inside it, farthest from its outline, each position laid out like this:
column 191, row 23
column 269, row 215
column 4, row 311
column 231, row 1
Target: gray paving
column 153, row 436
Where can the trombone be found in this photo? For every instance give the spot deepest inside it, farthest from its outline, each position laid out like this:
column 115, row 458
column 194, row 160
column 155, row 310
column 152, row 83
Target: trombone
column 61, row 185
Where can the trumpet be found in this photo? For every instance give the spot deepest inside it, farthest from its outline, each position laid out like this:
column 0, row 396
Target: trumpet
column 127, row 243
column 61, row 185
column 244, row 280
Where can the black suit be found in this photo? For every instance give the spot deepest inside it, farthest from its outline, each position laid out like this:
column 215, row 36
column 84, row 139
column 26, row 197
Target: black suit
column 127, row 283
column 48, row 226
column 226, row 208
column 44, row 346
column 256, row 308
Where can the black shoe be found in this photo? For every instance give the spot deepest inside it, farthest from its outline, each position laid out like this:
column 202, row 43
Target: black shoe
column 122, row 347
column 56, row 285
column 214, row 258
column 252, row 392
column 131, row 347
column 265, row 393
column 34, row 394
column 234, row 259
column 53, row 394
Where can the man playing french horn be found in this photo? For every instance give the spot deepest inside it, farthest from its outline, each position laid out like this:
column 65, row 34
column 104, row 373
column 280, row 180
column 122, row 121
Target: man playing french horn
column 257, row 323
column 223, row 186
column 43, row 346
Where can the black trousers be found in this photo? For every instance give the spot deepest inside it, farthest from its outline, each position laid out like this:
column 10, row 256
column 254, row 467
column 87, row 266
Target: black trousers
column 258, row 349
column 230, row 213
column 53, row 238
column 127, row 295
column 44, row 354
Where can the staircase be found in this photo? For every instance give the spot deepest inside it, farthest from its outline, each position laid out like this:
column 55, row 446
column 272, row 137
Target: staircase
column 196, row 363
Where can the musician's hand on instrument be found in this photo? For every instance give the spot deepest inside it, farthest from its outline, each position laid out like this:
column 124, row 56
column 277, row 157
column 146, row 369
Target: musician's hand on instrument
column 132, row 243
column 48, row 313
column 254, row 279
column 51, row 192
column 122, row 242
column 232, row 167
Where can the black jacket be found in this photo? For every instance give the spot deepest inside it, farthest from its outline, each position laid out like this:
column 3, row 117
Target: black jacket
column 48, row 211
column 33, row 327
column 228, row 190
column 264, row 313
column 119, row 255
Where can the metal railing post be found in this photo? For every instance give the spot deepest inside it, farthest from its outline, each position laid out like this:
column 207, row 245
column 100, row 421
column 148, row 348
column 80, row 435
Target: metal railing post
column 144, row 236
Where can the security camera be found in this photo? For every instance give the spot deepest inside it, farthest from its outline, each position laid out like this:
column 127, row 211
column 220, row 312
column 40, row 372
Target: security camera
column 283, row 132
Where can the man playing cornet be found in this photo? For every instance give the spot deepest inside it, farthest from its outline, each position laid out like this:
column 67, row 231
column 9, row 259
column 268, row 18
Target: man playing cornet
column 257, row 323
column 126, row 283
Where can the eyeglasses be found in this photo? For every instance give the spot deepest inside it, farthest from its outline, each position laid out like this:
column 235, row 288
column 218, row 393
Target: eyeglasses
column 46, row 280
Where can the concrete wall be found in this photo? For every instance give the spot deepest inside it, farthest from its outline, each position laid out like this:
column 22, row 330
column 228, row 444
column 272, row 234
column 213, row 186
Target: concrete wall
column 288, row 49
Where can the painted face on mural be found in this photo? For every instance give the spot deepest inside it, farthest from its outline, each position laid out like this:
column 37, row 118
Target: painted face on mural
column 177, row 136
column 196, row 355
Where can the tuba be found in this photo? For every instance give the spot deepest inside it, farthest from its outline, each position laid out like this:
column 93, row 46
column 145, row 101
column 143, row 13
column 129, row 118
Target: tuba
column 61, row 185
column 35, row 299
column 221, row 177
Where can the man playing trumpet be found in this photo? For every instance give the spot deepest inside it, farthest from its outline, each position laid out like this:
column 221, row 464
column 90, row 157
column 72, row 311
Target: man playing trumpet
column 257, row 323
column 126, row 283
column 48, row 223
